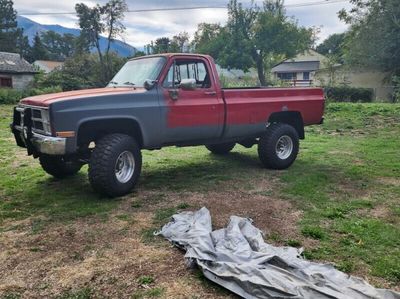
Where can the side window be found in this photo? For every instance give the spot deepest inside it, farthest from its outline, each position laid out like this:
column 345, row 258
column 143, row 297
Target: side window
column 188, row 69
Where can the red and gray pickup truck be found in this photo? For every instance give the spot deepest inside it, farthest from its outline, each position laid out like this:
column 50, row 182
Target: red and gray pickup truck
column 156, row 101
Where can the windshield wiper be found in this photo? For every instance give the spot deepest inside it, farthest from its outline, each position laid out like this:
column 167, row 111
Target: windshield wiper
column 129, row 83
column 113, row 83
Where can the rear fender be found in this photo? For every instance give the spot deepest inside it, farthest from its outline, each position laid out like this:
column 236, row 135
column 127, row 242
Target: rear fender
column 292, row 118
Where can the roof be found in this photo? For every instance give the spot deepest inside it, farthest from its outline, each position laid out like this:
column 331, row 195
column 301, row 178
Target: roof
column 48, row 65
column 168, row 55
column 301, row 66
column 14, row 63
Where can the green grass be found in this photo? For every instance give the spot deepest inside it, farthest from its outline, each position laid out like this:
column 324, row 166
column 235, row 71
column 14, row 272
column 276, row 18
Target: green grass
column 150, row 293
column 145, row 280
column 339, row 181
column 342, row 181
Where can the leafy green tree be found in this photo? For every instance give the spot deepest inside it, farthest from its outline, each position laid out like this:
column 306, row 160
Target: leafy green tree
column 332, row 45
column 39, row 51
column 8, row 26
column 255, row 37
column 99, row 20
column 209, row 39
column 91, row 26
column 161, row 45
column 80, row 71
column 112, row 13
column 374, row 36
column 180, row 43
column 139, row 54
column 58, row 46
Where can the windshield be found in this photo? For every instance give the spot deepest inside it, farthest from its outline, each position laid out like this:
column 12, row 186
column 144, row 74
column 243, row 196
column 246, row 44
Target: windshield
column 135, row 72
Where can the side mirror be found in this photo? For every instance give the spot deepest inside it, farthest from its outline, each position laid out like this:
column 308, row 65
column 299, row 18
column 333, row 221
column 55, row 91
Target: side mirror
column 149, row 84
column 188, row 84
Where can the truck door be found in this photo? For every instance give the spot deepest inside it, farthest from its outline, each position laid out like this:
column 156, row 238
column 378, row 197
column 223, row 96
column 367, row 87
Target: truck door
column 195, row 113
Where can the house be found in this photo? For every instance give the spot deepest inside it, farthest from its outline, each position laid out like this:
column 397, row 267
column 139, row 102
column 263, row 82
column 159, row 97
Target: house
column 15, row 72
column 48, row 66
column 313, row 69
column 300, row 70
column 357, row 77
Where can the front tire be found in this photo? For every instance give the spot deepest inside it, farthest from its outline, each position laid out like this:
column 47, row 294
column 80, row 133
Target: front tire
column 58, row 166
column 279, row 146
column 221, row 149
column 115, row 165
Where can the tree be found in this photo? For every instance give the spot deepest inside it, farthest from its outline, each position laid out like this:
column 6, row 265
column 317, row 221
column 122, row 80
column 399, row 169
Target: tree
column 58, row 46
column 23, row 47
column 91, row 26
column 161, row 45
column 112, row 13
column 332, row 45
column 99, row 20
column 80, row 71
column 8, row 26
column 374, row 36
column 180, row 43
column 39, row 52
column 255, row 37
column 209, row 39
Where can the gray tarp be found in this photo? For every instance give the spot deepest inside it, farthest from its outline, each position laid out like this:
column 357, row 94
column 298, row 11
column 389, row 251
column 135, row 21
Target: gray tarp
column 238, row 259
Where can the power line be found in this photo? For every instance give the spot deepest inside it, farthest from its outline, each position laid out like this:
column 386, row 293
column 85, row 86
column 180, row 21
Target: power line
column 322, row 2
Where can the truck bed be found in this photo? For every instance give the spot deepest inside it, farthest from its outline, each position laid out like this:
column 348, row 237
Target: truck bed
column 252, row 107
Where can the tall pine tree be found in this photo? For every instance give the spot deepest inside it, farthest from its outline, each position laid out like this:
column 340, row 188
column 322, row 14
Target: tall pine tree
column 8, row 26
column 39, row 51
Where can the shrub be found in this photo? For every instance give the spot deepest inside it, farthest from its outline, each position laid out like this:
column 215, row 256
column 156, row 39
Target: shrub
column 349, row 94
column 396, row 89
column 12, row 96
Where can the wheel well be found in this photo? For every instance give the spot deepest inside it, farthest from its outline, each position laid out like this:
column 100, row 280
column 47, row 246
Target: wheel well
column 292, row 118
column 95, row 129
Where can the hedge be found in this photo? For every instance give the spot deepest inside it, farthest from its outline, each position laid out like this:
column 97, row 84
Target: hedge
column 349, row 94
column 12, row 96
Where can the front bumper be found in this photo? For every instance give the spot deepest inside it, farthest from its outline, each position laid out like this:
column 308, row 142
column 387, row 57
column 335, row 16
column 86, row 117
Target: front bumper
column 39, row 144
column 49, row 145
column 34, row 142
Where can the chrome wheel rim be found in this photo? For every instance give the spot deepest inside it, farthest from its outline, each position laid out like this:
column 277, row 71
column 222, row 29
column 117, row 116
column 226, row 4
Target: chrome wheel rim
column 284, row 147
column 124, row 167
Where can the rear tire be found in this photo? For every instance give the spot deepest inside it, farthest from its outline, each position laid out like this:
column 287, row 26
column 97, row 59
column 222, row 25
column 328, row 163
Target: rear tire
column 115, row 165
column 279, row 146
column 58, row 166
column 221, row 149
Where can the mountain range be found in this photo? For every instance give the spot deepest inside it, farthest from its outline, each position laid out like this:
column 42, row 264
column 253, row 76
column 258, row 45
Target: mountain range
column 31, row 28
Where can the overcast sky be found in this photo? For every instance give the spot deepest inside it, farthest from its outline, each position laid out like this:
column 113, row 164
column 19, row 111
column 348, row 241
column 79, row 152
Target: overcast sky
column 146, row 26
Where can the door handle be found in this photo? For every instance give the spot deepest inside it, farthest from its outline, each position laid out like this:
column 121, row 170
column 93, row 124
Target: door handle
column 210, row 93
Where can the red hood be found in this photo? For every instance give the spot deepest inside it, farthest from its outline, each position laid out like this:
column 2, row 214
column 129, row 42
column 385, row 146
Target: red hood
column 45, row 100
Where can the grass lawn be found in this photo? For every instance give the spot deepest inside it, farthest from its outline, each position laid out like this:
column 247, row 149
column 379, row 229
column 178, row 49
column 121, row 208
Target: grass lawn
column 340, row 201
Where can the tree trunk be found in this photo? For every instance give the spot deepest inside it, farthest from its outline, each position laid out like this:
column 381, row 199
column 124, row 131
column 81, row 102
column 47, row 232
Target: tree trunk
column 260, row 68
column 103, row 65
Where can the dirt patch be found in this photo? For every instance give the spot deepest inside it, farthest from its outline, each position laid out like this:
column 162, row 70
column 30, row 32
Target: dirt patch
column 389, row 181
column 106, row 256
column 271, row 215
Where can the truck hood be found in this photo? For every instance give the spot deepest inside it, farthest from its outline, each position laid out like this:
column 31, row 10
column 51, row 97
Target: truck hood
column 47, row 99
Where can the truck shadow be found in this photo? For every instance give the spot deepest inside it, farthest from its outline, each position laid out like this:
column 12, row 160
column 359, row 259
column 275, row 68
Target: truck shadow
column 204, row 174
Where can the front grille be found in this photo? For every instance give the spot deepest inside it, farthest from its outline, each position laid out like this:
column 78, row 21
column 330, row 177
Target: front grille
column 36, row 113
column 38, row 125
column 38, row 119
